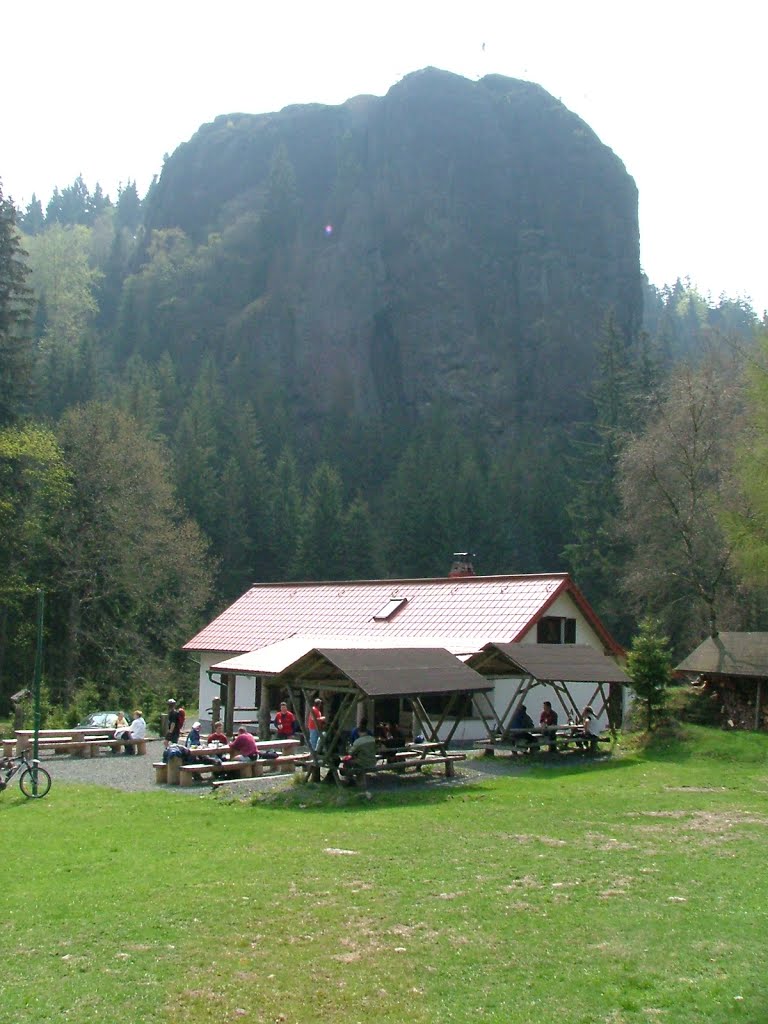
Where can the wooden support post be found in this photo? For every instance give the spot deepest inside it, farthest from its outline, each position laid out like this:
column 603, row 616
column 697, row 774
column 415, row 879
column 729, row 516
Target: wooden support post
column 228, row 696
column 216, row 710
column 758, row 702
column 264, row 702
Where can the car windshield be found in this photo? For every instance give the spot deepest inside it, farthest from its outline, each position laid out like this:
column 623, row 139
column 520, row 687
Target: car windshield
column 99, row 720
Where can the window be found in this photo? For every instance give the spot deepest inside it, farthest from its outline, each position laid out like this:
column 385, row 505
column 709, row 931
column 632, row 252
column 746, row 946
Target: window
column 393, row 605
column 553, row 629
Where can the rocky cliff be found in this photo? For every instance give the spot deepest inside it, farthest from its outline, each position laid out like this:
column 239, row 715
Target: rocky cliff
column 452, row 239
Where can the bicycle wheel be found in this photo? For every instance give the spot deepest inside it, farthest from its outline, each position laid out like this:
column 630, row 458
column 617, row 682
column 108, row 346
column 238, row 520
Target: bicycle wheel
column 34, row 782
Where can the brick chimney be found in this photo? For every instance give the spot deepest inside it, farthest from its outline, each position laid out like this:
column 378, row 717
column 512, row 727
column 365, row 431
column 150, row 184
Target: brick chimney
column 462, row 565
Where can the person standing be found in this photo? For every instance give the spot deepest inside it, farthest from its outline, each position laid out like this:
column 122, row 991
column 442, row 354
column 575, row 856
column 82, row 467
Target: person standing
column 173, row 731
column 285, row 720
column 315, row 722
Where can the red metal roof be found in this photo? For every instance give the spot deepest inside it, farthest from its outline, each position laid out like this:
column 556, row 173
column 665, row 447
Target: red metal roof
column 498, row 608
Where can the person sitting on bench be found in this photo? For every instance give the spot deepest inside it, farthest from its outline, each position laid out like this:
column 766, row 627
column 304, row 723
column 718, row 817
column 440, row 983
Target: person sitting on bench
column 361, row 757
column 138, row 731
column 243, row 746
column 591, row 727
column 548, row 722
column 521, row 720
column 218, row 735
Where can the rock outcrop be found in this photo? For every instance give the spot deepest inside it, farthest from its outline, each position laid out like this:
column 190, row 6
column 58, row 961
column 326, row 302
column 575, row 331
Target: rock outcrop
column 451, row 240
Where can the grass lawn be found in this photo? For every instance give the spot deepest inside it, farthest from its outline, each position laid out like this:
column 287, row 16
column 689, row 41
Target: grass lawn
column 625, row 890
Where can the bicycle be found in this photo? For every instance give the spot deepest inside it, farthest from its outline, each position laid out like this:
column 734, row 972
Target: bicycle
column 34, row 781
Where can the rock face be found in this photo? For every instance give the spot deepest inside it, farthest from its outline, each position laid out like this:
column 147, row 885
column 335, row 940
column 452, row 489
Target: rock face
column 452, row 239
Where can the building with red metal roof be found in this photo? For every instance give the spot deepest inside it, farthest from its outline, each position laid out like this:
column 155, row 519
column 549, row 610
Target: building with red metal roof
column 460, row 612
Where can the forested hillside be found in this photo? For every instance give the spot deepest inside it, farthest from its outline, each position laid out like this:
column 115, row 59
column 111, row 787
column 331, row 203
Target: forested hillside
column 343, row 343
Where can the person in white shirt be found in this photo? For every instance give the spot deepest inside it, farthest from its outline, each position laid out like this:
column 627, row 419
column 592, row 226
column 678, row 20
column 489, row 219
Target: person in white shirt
column 138, row 731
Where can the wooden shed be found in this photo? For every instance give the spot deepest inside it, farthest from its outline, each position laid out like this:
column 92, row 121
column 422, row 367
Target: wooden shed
column 734, row 669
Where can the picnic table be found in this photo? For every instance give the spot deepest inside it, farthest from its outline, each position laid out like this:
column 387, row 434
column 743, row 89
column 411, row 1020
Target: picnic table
column 78, row 742
column 399, row 760
column 571, row 735
column 175, row 772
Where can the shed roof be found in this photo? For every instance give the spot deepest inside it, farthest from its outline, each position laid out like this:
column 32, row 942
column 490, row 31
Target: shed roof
column 278, row 656
column 573, row 663
column 499, row 608
column 389, row 672
column 729, row 654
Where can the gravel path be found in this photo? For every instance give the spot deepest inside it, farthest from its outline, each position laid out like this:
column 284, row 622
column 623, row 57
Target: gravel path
column 136, row 774
column 131, row 774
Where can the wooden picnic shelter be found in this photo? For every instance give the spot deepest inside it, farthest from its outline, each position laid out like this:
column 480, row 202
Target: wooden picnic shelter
column 555, row 666
column 351, row 678
column 734, row 667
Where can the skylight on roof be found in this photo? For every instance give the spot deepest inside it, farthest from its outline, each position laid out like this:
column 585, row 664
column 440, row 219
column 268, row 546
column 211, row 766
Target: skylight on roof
column 393, row 605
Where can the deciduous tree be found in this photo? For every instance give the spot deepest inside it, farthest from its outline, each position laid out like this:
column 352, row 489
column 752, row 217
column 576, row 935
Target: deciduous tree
column 133, row 569
column 676, row 480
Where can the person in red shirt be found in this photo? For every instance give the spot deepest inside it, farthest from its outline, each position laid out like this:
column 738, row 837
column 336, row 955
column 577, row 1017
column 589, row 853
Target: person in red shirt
column 285, row 721
column 548, row 721
column 218, row 735
column 548, row 715
column 243, row 746
column 315, row 722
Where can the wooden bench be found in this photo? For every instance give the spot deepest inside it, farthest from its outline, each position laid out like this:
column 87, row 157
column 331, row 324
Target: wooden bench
column 76, row 747
column 79, row 742
column 540, row 741
column 88, row 747
column 139, row 746
column 243, row 769
column 283, row 765
column 403, row 763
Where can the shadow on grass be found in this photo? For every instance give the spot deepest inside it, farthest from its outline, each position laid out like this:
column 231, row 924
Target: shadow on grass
column 543, row 766
column 381, row 793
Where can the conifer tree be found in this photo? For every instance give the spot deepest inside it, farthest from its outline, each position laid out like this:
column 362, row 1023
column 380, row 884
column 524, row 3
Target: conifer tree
column 649, row 665
column 16, row 305
column 284, row 504
column 320, row 554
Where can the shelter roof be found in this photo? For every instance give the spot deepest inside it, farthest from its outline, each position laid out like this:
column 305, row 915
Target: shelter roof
column 573, row 663
column 499, row 608
column 389, row 672
column 278, row 656
column 729, row 654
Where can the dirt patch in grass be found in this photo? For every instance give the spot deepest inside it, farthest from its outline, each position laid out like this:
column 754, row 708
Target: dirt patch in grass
column 696, row 789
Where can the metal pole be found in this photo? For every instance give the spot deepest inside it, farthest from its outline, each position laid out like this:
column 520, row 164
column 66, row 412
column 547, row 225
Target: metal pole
column 38, row 668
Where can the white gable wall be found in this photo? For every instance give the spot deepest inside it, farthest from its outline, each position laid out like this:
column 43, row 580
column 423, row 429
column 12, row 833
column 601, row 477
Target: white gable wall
column 566, row 608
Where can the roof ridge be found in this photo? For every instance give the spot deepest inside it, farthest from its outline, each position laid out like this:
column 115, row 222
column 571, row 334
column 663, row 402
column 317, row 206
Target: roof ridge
column 277, row 584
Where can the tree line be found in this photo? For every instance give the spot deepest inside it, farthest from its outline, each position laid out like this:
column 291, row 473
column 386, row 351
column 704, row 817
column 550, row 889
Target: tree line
column 153, row 463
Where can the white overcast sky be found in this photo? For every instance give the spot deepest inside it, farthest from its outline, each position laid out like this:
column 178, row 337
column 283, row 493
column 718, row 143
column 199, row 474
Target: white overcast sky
column 676, row 89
